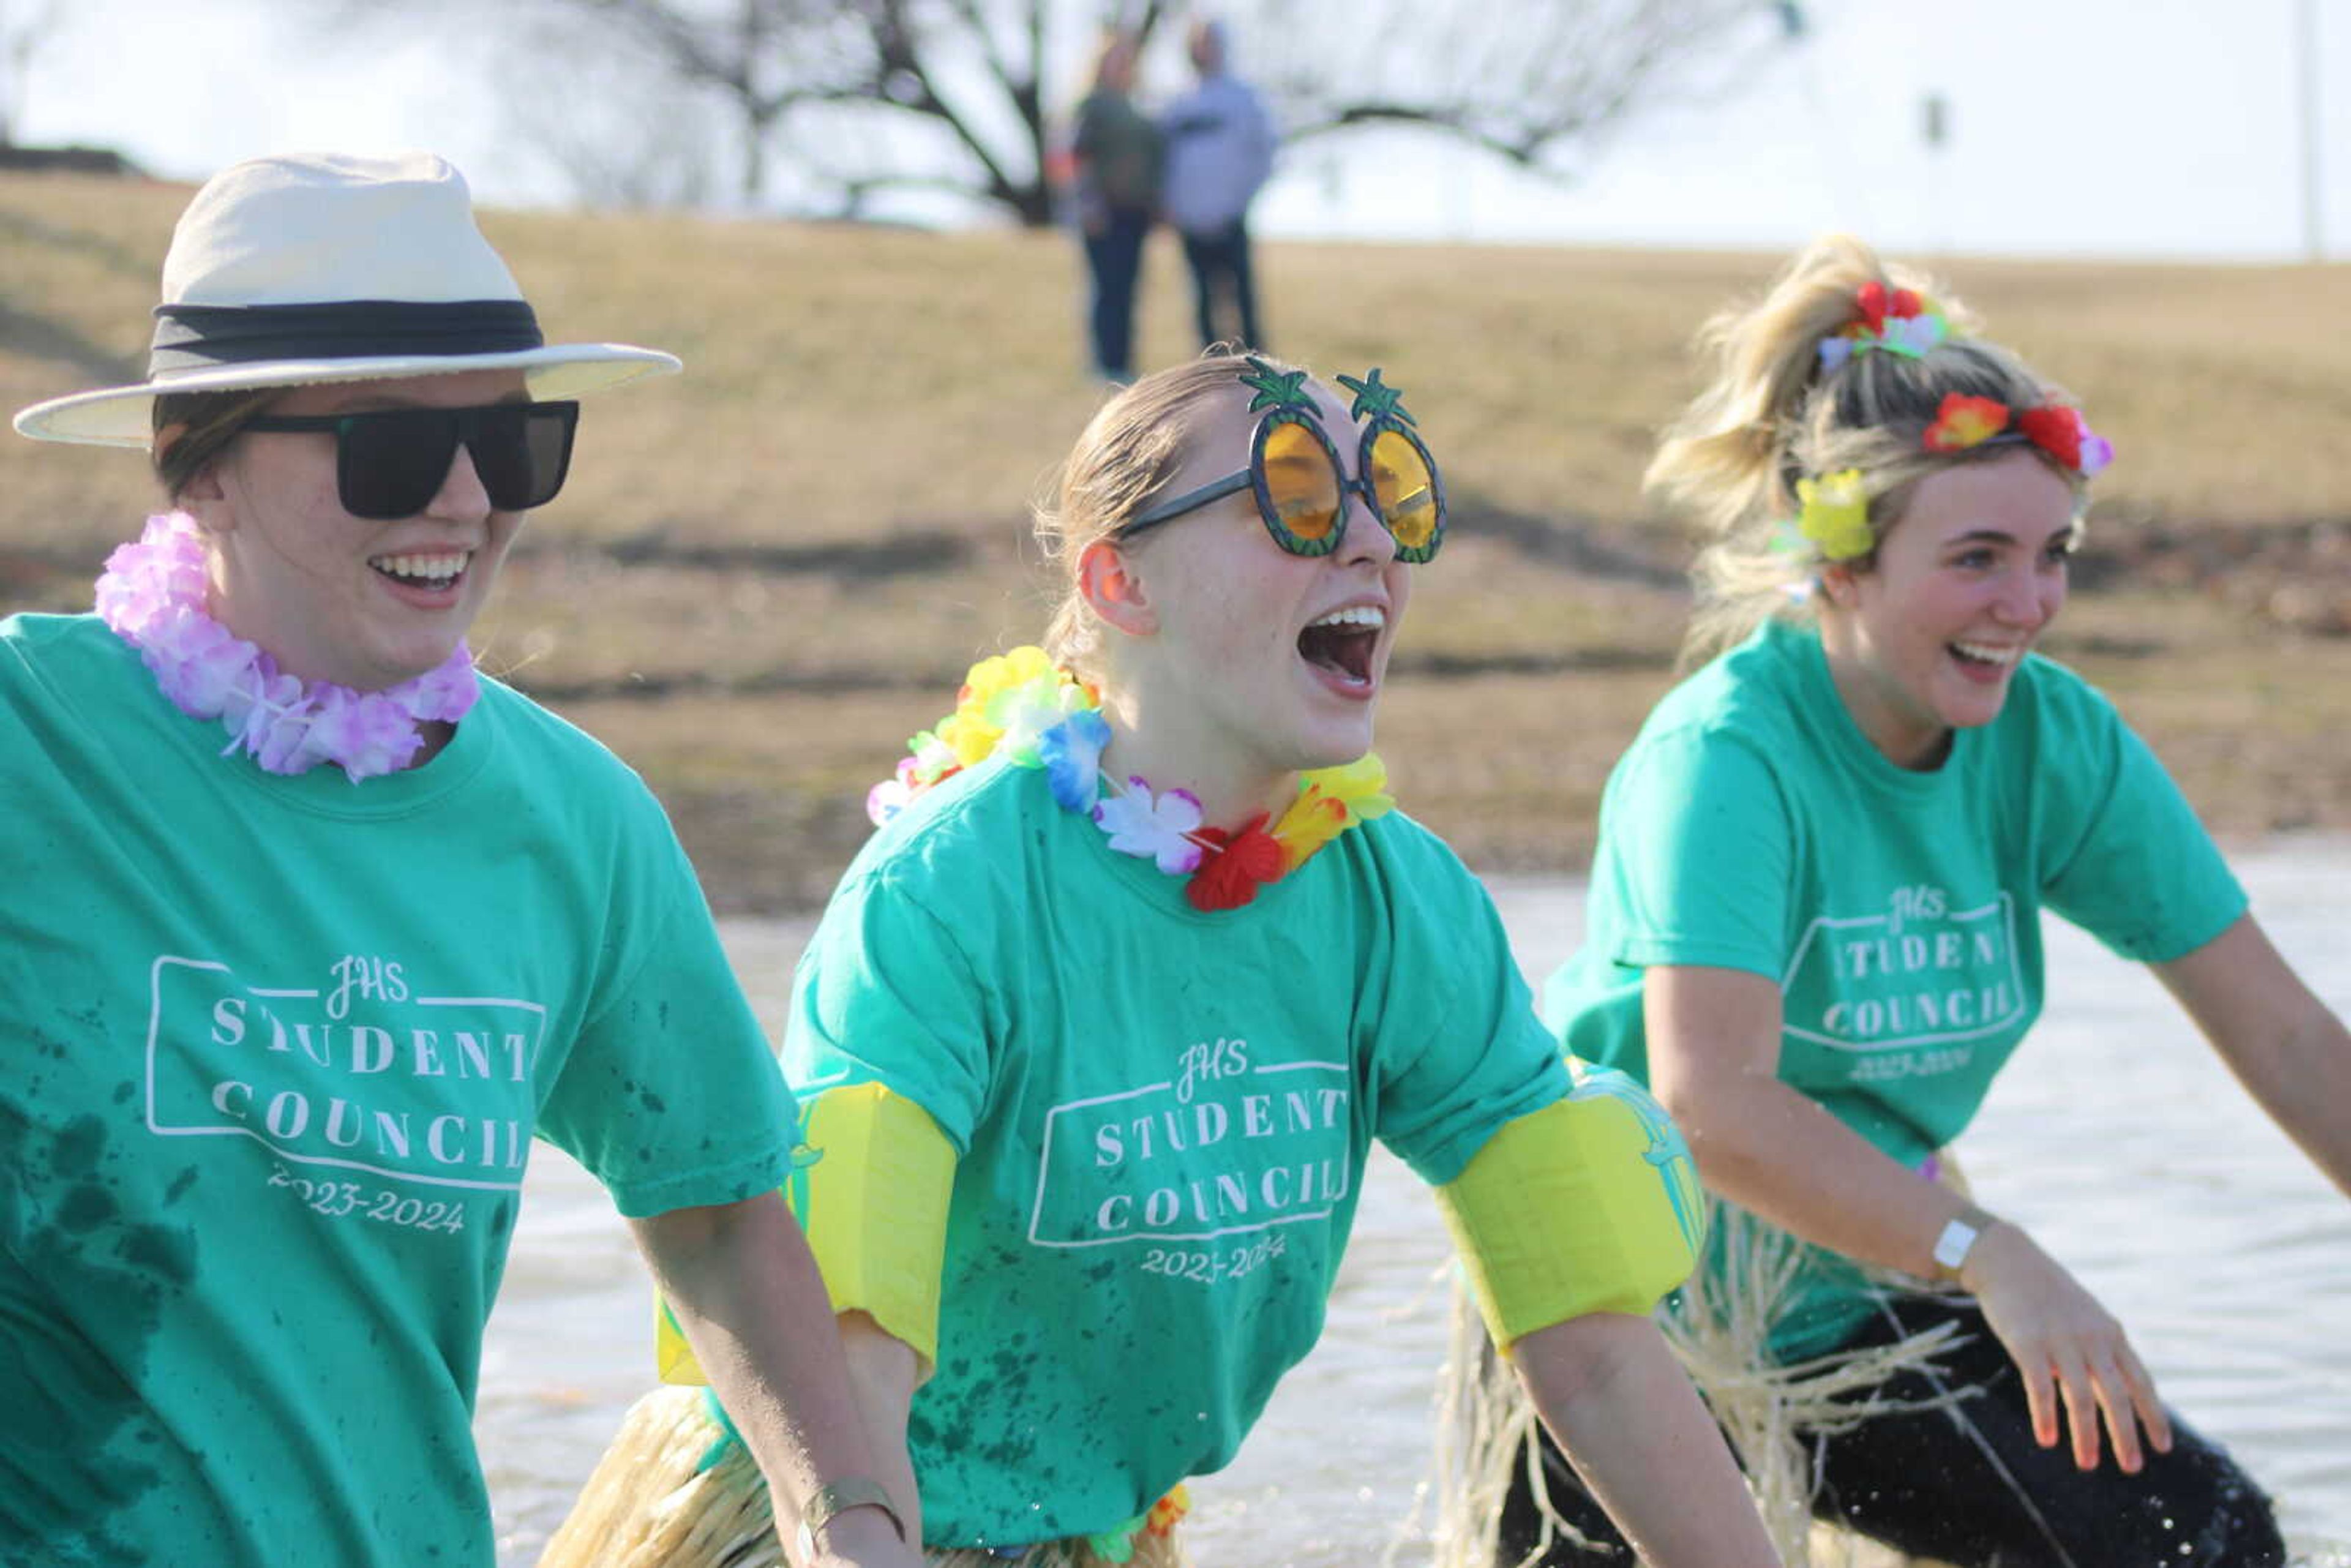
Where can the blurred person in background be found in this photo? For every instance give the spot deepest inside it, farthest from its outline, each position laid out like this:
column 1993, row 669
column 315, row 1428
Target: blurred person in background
column 1116, row 153
column 1220, row 143
column 1815, row 930
column 307, row 930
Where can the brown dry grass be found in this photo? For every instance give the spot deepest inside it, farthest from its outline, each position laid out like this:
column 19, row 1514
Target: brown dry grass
column 765, row 573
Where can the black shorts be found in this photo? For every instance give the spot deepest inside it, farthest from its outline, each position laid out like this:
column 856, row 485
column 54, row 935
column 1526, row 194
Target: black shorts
column 1968, row 1485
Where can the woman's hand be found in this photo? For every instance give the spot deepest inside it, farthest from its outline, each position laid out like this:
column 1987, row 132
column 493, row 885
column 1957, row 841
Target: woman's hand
column 2066, row 1347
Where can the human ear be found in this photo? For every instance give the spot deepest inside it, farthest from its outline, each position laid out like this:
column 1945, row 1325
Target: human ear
column 1837, row 582
column 1113, row 590
column 201, row 494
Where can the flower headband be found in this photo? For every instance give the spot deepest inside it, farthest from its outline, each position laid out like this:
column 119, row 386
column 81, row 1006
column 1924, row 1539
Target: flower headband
column 1900, row 321
column 1834, row 509
column 2057, row 428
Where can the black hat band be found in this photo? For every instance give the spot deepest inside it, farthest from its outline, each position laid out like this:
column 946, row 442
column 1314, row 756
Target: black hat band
column 193, row 337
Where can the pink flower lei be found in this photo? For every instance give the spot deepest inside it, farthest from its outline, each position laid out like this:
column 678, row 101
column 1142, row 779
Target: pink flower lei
column 152, row 596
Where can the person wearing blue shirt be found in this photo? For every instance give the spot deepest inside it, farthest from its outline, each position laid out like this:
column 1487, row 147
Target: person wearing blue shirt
column 1220, row 153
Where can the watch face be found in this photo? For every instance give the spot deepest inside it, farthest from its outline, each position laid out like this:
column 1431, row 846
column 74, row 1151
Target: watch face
column 1951, row 1247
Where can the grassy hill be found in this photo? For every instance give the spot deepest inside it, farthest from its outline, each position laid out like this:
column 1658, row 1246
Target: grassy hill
column 766, row 573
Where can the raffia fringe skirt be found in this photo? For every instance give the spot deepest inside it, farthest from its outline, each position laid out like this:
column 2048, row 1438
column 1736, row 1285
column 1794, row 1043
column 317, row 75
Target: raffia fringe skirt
column 1486, row 1425
column 674, row 1490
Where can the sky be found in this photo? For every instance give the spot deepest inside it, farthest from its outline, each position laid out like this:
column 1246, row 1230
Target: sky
column 2111, row 128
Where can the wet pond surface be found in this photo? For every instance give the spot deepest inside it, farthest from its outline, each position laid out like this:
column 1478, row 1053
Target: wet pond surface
column 2116, row 1135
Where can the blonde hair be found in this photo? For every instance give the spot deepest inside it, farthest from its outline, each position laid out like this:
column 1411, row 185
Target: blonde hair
column 1122, row 461
column 1772, row 415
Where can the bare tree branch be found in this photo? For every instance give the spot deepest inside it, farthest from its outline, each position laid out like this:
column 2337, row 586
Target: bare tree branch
column 1530, row 81
column 1527, row 81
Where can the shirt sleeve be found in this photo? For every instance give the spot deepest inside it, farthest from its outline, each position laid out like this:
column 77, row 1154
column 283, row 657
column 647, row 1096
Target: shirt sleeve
column 886, row 994
column 1698, row 850
column 2129, row 861
column 670, row 1096
column 1459, row 1050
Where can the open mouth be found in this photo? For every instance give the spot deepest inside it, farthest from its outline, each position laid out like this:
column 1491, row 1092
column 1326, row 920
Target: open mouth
column 1344, row 643
column 432, row 573
column 1986, row 656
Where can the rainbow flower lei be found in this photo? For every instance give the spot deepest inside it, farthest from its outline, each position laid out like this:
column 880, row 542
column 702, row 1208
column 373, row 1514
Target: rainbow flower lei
column 152, row 594
column 1039, row 716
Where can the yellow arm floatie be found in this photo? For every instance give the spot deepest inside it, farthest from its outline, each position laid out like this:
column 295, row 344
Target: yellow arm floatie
column 873, row 1202
column 1590, row 1205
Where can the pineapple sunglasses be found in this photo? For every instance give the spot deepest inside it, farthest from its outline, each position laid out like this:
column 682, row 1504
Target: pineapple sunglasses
column 1301, row 490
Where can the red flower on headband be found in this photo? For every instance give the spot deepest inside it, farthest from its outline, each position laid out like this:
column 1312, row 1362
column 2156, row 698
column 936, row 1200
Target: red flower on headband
column 2056, row 429
column 1963, row 422
column 1229, row 877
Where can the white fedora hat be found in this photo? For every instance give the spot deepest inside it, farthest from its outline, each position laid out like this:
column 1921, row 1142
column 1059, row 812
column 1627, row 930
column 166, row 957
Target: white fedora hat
column 308, row 268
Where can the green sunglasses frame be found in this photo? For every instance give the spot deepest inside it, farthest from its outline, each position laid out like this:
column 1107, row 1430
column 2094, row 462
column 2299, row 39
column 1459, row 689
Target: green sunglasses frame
column 1283, row 399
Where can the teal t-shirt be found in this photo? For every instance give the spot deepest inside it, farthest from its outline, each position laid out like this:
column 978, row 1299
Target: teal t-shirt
column 1161, row 1116
column 277, row 1048
column 1753, row 826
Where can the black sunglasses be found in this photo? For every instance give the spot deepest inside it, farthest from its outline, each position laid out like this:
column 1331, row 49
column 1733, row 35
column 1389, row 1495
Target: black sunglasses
column 389, row 463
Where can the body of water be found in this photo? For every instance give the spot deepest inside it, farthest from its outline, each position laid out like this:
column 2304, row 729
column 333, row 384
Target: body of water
column 2115, row 1135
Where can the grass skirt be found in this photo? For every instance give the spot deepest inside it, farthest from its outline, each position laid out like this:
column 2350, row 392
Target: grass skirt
column 1767, row 1410
column 674, row 1490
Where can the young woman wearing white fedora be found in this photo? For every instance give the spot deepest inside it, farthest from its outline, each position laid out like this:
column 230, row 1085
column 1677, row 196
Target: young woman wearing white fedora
column 305, row 931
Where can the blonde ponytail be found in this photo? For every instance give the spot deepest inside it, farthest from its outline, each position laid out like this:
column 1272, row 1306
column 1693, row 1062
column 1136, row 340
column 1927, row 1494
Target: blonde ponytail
column 1772, row 413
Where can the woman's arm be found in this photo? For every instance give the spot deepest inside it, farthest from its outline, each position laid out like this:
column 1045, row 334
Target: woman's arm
column 1714, row 1052
column 740, row 1281
column 1625, row 1416
column 2286, row 1046
column 883, row 1372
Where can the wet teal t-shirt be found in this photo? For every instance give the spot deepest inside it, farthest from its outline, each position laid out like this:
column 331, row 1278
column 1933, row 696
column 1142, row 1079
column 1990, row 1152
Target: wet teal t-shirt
column 1161, row 1115
column 276, row 1049
column 1753, row 826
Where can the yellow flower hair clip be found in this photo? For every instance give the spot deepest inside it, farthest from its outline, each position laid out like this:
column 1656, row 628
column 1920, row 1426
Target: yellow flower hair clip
column 1836, row 514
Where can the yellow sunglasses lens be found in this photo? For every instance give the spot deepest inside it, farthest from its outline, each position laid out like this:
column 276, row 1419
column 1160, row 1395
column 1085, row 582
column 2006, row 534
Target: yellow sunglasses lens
column 1301, row 482
column 1406, row 490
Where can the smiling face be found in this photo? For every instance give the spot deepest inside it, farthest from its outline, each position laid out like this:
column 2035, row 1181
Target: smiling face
column 1927, row 637
column 333, row 597
column 1247, row 663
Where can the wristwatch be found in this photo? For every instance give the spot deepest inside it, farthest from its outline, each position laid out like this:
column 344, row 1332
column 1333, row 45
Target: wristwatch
column 836, row 1498
column 1958, row 1237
